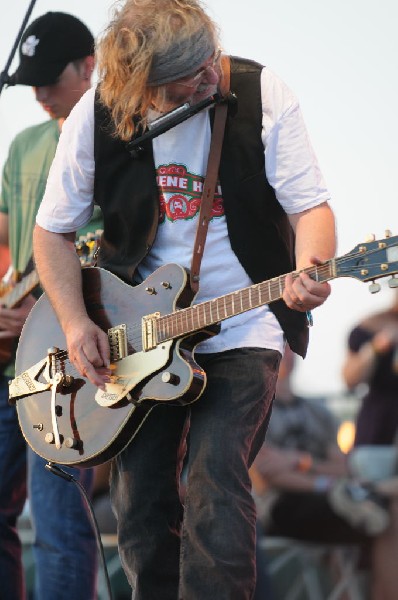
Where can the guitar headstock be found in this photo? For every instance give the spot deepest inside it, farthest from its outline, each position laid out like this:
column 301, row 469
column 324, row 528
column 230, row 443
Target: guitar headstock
column 371, row 260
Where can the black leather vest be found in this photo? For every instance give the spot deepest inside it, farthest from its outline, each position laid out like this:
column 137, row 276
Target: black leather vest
column 259, row 231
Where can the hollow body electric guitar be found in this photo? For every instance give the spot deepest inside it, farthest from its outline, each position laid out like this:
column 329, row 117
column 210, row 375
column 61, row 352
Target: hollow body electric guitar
column 152, row 331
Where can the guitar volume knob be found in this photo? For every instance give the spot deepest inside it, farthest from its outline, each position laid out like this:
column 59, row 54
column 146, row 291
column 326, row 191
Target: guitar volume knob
column 71, row 443
column 171, row 378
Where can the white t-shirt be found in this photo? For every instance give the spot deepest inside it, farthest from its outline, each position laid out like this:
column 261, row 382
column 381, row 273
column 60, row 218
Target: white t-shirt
column 180, row 159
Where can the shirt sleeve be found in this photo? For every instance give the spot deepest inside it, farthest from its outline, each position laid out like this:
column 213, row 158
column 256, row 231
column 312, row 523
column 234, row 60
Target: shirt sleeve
column 68, row 201
column 291, row 165
column 358, row 337
column 5, row 186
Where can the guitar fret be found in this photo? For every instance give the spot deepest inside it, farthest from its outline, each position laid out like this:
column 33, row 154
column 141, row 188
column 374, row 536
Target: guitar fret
column 248, row 299
column 225, row 307
column 198, row 316
column 183, row 317
column 254, row 295
column 196, row 312
column 261, row 290
column 211, row 304
column 193, row 316
column 206, row 313
column 332, row 268
column 280, row 286
column 258, row 294
column 218, row 304
column 210, row 312
column 173, row 324
column 201, row 315
column 162, row 329
column 242, row 300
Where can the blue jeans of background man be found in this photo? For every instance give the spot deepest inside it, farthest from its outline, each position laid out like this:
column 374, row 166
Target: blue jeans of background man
column 65, row 550
column 205, row 549
column 12, row 497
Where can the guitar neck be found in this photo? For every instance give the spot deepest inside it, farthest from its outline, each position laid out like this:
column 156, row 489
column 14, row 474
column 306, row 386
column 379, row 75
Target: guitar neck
column 20, row 290
column 199, row 316
column 85, row 247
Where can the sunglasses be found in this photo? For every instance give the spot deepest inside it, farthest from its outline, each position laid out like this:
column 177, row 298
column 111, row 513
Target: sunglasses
column 195, row 79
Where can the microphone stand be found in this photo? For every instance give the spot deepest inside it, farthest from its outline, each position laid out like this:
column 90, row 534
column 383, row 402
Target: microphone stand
column 4, row 77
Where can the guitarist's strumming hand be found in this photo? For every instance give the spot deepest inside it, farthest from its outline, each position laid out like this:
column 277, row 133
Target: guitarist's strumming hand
column 303, row 293
column 12, row 319
column 88, row 349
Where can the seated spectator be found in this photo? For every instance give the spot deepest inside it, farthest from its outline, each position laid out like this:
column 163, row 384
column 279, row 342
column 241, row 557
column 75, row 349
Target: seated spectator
column 302, row 484
column 372, row 361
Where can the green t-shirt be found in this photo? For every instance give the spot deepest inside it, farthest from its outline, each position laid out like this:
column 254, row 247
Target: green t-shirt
column 24, row 180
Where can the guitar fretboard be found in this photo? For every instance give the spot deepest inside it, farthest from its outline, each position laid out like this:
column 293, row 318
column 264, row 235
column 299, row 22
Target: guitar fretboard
column 22, row 289
column 200, row 316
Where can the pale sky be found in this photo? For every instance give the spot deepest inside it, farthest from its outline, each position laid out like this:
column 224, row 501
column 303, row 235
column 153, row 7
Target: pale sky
column 339, row 57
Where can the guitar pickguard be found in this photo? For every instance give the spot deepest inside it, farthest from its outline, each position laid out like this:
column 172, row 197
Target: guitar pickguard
column 131, row 371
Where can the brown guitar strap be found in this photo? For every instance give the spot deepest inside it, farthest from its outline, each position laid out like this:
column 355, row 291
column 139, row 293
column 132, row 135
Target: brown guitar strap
column 209, row 187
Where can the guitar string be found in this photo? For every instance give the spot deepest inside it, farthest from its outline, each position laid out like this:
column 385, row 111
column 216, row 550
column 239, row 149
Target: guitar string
column 135, row 331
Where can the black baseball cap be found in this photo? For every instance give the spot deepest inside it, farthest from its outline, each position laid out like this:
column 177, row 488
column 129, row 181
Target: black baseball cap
column 48, row 45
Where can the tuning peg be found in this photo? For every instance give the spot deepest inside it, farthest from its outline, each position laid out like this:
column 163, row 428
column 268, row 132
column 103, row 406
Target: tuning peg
column 370, row 237
column 374, row 288
column 393, row 282
column 388, row 233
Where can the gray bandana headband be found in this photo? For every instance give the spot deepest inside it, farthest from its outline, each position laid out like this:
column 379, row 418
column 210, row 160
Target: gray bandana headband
column 181, row 59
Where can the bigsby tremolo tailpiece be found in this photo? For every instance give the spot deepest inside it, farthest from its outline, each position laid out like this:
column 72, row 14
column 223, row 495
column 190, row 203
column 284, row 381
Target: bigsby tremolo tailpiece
column 51, row 370
column 27, row 383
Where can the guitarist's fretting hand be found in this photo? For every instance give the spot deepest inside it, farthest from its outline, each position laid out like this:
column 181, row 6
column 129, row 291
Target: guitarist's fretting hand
column 88, row 349
column 303, row 293
column 13, row 319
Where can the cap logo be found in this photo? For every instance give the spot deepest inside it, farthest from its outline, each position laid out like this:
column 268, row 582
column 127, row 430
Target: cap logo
column 28, row 48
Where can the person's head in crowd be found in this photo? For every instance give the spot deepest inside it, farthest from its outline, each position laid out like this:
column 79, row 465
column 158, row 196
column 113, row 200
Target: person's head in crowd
column 156, row 54
column 56, row 58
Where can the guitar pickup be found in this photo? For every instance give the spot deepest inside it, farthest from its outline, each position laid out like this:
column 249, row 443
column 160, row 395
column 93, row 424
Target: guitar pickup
column 149, row 341
column 118, row 342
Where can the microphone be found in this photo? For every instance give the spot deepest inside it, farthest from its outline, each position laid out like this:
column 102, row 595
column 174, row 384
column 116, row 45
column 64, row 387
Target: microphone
column 168, row 121
column 169, row 118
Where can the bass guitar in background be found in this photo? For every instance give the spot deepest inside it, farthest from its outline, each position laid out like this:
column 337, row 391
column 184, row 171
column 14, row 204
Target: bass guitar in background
column 14, row 287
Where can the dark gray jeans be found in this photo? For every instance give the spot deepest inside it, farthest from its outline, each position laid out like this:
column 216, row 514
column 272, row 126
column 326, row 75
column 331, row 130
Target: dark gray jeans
column 206, row 548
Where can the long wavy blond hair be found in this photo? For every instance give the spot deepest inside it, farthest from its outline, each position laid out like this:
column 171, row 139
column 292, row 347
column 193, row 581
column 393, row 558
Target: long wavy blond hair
column 138, row 31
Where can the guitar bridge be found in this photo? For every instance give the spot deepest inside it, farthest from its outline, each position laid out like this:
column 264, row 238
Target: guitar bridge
column 149, row 341
column 118, row 342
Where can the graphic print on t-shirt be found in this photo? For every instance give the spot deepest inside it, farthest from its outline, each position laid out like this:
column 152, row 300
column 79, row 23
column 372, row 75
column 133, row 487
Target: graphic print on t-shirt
column 180, row 193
